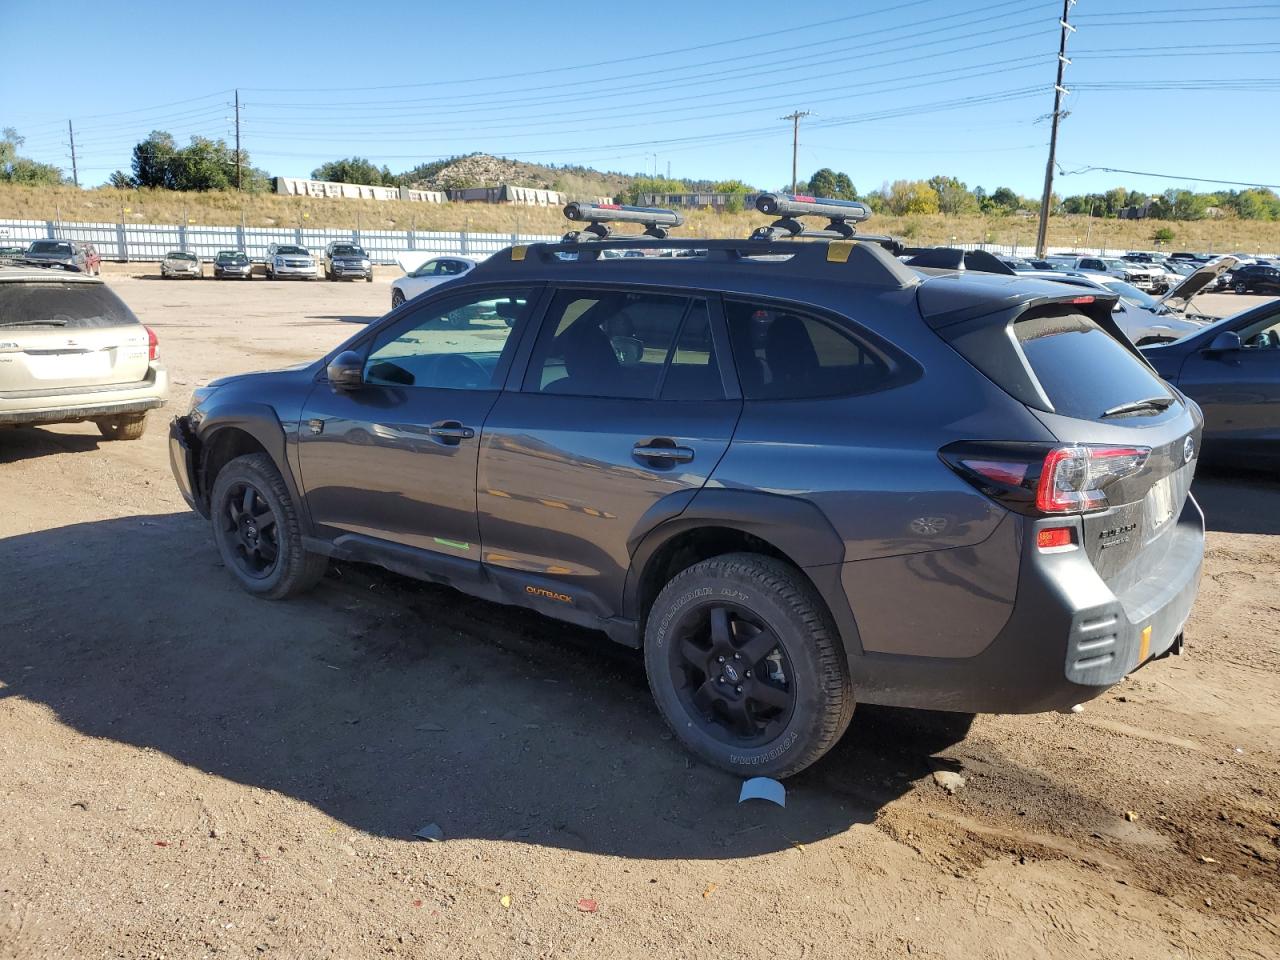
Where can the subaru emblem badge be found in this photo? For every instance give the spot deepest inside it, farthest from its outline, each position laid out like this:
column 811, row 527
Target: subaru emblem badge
column 1188, row 449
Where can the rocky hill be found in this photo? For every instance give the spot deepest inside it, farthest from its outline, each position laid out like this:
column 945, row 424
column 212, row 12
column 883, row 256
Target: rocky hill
column 482, row 170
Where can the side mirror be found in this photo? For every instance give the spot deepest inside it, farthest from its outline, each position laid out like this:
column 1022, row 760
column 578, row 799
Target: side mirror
column 1225, row 342
column 346, row 370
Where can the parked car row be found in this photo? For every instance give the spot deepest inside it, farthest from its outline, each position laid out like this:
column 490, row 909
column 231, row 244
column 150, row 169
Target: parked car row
column 342, row 260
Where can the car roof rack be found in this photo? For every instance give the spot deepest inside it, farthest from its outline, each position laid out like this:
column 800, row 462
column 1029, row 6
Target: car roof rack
column 598, row 216
column 840, row 216
column 954, row 258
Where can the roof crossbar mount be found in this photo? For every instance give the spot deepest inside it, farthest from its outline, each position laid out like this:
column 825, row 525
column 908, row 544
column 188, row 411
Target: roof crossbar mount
column 840, row 214
column 598, row 216
column 954, row 258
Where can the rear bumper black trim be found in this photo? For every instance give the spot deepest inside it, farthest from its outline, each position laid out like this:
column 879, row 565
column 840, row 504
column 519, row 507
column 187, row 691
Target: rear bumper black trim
column 74, row 414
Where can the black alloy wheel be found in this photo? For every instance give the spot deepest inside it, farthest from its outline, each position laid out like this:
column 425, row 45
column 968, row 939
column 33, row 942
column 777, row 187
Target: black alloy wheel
column 249, row 526
column 732, row 673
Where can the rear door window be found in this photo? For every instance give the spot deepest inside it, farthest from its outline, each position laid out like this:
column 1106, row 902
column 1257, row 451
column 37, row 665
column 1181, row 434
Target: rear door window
column 786, row 354
column 1083, row 370
column 623, row 344
column 75, row 306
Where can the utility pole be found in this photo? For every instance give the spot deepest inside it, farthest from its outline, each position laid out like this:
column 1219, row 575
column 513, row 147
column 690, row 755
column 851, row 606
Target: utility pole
column 1058, row 91
column 75, row 174
column 237, row 141
column 795, row 117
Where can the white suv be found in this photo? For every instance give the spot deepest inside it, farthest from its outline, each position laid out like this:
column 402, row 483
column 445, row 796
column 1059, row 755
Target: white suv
column 290, row 260
column 70, row 350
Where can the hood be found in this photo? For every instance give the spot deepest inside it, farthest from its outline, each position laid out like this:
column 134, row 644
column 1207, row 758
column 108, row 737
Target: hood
column 256, row 374
column 1180, row 296
column 411, row 260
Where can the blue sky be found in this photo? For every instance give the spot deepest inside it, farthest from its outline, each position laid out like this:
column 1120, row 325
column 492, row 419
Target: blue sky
column 897, row 89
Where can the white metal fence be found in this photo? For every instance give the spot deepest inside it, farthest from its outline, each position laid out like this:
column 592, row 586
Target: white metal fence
column 151, row 241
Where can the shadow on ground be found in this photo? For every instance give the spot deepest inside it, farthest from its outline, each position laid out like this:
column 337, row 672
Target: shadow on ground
column 27, row 443
column 1237, row 501
column 389, row 704
column 344, row 317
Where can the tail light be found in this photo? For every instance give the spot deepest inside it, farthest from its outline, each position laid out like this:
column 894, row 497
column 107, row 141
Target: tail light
column 1037, row 478
column 153, row 345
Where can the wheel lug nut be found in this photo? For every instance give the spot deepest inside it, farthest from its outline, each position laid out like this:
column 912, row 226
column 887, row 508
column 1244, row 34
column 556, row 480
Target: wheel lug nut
column 748, row 673
column 737, row 656
column 719, row 659
column 738, row 688
column 719, row 679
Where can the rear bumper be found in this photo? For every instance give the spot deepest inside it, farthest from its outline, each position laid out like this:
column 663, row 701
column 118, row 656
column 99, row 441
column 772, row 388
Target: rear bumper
column 1068, row 640
column 87, row 404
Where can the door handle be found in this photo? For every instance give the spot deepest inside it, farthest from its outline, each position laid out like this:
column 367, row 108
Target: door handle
column 664, row 450
column 450, row 431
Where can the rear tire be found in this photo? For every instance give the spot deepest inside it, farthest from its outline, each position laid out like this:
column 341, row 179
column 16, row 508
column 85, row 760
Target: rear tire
column 746, row 666
column 257, row 530
column 369, row 278
column 397, row 299
column 128, row 426
column 1241, row 287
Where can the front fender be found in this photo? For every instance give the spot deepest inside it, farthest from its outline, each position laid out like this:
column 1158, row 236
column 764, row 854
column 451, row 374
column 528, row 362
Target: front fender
column 262, row 423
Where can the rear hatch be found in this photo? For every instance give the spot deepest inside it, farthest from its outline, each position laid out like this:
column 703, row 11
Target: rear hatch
column 1127, row 441
column 58, row 336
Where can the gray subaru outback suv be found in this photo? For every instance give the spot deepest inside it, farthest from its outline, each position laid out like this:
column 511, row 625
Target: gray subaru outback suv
column 793, row 470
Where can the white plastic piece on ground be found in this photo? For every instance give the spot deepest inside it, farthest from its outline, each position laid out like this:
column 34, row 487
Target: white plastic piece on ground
column 430, row 832
column 763, row 788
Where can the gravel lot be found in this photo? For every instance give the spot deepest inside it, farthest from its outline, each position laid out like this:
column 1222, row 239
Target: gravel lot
column 188, row 772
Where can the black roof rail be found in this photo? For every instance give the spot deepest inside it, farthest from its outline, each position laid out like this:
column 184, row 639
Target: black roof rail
column 840, row 215
column 953, row 258
column 598, row 216
column 866, row 262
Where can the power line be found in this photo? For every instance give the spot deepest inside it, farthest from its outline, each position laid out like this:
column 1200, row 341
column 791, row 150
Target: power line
column 1171, row 176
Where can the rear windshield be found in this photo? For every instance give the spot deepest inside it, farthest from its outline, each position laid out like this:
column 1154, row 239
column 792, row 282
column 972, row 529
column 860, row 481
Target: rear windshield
column 50, row 246
column 75, row 306
column 1083, row 370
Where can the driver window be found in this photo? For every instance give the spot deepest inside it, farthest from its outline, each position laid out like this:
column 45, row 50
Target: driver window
column 452, row 344
column 1262, row 336
column 428, row 269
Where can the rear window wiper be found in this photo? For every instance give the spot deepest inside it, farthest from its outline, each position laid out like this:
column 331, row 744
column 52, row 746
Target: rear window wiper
column 33, row 323
column 1137, row 406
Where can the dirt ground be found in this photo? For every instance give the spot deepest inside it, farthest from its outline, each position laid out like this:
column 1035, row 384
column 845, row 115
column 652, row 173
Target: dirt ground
column 188, row 772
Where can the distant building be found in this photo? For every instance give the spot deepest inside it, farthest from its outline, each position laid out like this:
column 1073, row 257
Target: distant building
column 717, row 201
column 506, row 193
column 329, row 190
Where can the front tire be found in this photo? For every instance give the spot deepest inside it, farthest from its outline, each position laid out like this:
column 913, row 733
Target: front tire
column 397, row 298
column 1241, row 287
column 746, row 667
column 124, row 427
column 257, row 530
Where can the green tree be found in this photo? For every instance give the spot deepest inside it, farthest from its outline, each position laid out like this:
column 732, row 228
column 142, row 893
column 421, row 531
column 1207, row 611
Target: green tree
column 1163, row 235
column 844, row 188
column 1002, row 200
column 153, row 161
column 642, row 185
column 823, row 183
column 352, row 170
column 954, row 197
column 1114, row 200
column 16, row 169
column 1256, row 204
column 121, row 181
column 912, row 196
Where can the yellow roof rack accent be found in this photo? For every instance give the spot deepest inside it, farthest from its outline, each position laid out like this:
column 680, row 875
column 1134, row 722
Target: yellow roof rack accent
column 838, row 250
column 518, row 252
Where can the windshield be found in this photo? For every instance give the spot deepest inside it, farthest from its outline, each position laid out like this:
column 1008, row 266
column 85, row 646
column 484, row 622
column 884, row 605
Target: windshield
column 348, row 250
column 50, row 246
column 78, row 306
column 1120, row 265
column 179, row 255
column 232, row 258
column 292, row 251
column 1131, row 294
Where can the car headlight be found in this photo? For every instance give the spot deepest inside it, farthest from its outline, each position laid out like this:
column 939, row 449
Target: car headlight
column 279, row 261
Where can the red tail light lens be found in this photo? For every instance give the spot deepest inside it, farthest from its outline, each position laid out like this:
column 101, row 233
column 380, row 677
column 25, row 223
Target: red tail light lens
column 1038, row 479
column 1074, row 479
column 153, row 345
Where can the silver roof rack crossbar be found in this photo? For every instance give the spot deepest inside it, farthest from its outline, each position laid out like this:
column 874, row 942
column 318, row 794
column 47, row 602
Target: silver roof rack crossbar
column 598, row 216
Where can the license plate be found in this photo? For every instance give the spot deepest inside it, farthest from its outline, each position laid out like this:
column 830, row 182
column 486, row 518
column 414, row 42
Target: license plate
column 1160, row 503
